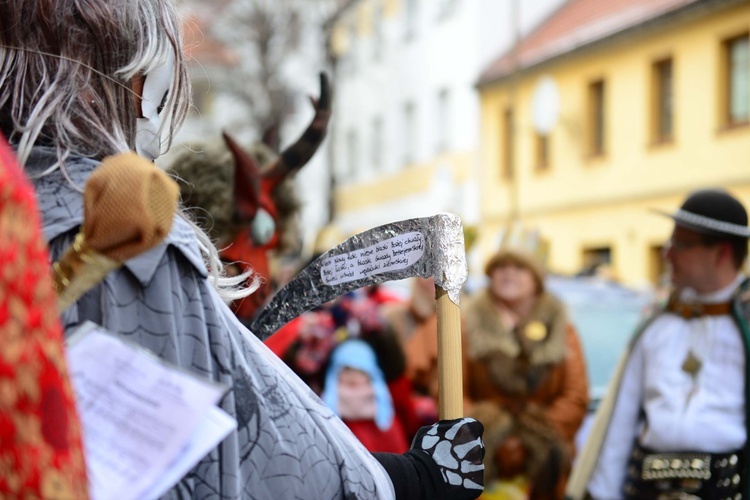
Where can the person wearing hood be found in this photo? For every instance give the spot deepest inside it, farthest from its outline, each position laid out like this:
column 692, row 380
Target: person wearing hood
column 525, row 376
column 355, row 389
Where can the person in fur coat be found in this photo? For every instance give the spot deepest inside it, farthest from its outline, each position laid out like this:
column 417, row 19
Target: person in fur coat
column 525, row 376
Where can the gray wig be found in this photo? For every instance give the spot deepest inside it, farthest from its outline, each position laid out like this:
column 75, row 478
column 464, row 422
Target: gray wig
column 66, row 68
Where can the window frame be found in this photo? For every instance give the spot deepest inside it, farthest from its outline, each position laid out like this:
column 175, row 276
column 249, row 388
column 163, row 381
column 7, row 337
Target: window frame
column 376, row 146
column 410, row 132
column 444, row 120
column 352, row 153
column 662, row 106
column 507, row 144
column 542, row 143
column 595, row 255
column 597, row 118
column 411, row 17
column 728, row 121
column 378, row 35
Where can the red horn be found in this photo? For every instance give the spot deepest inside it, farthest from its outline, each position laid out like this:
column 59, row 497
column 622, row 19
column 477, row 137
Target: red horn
column 247, row 178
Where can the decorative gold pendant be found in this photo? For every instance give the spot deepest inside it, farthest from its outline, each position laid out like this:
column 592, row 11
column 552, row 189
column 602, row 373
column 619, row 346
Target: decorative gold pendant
column 536, row 330
column 691, row 365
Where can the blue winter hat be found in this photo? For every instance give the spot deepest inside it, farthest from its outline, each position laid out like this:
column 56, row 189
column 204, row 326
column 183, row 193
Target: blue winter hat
column 358, row 354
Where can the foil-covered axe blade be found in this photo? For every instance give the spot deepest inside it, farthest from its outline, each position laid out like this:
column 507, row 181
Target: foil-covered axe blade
column 426, row 247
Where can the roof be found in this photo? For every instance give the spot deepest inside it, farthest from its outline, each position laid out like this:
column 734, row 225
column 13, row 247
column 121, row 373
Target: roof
column 578, row 23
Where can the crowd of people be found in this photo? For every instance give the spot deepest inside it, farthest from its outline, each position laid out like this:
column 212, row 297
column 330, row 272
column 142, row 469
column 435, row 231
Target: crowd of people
column 673, row 421
column 342, row 401
column 83, row 81
column 524, row 371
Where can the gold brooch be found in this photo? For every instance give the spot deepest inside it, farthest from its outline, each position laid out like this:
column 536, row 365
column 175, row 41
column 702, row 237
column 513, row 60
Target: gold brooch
column 692, row 365
column 536, row 330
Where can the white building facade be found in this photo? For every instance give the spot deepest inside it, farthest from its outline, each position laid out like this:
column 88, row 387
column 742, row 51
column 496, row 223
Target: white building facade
column 405, row 136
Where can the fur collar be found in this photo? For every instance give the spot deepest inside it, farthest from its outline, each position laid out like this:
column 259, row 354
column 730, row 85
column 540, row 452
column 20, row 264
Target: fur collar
column 487, row 335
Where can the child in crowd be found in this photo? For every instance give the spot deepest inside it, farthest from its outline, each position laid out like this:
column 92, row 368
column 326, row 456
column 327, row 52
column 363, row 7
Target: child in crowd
column 356, row 391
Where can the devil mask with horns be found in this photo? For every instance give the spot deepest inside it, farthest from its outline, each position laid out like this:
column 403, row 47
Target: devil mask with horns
column 246, row 199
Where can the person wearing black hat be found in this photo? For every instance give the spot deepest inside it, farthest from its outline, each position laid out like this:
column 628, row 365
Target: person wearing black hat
column 674, row 421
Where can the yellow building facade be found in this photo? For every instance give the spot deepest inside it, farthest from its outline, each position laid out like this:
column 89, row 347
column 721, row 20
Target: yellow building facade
column 645, row 117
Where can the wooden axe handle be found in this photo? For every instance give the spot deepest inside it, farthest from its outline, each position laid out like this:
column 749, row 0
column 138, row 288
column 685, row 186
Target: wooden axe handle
column 450, row 374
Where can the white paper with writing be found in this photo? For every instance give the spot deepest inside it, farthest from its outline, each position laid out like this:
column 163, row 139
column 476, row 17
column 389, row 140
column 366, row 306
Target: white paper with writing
column 137, row 413
column 216, row 425
column 392, row 254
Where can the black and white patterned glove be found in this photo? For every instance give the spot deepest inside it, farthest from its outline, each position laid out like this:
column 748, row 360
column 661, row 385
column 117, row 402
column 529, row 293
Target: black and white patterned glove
column 445, row 462
column 456, row 447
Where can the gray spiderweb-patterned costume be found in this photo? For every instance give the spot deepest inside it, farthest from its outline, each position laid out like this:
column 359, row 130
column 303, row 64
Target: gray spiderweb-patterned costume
column 288, row 444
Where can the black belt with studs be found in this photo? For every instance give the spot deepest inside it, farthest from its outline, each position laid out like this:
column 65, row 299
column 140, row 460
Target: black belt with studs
column 688, row 475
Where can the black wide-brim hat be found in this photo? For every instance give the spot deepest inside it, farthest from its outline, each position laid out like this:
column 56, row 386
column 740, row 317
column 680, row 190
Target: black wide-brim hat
column 712, row 212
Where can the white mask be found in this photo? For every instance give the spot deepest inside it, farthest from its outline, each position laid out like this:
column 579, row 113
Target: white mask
column 148, row 129
column 262, row 228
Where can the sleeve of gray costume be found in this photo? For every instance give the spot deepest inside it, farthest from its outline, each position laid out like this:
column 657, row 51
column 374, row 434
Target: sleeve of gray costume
column 288, row 444
column 609, row 473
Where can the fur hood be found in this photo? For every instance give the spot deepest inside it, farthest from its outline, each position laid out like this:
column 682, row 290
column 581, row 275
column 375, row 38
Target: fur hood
column 205, row 174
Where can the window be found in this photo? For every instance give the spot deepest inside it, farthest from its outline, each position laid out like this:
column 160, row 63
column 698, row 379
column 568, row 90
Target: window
column 658, row 270
column 352, row 55
column 377, row 143
column 506, row 145
column 352, row 160
column 410, row 18
column 662, row 101
column 597, row 118
column 410, row 133
column 446, row 8
column 377, row 33
column 595, row 261
column 443, row 120
column 737, row 60
column 542, row 151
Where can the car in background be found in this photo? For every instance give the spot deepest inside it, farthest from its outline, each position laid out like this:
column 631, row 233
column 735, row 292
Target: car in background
column 606, row 315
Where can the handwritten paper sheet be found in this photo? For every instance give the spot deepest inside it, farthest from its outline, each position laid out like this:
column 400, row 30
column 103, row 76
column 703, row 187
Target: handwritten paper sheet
column 137, row 413
column 392, row 254
column 216, row 425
